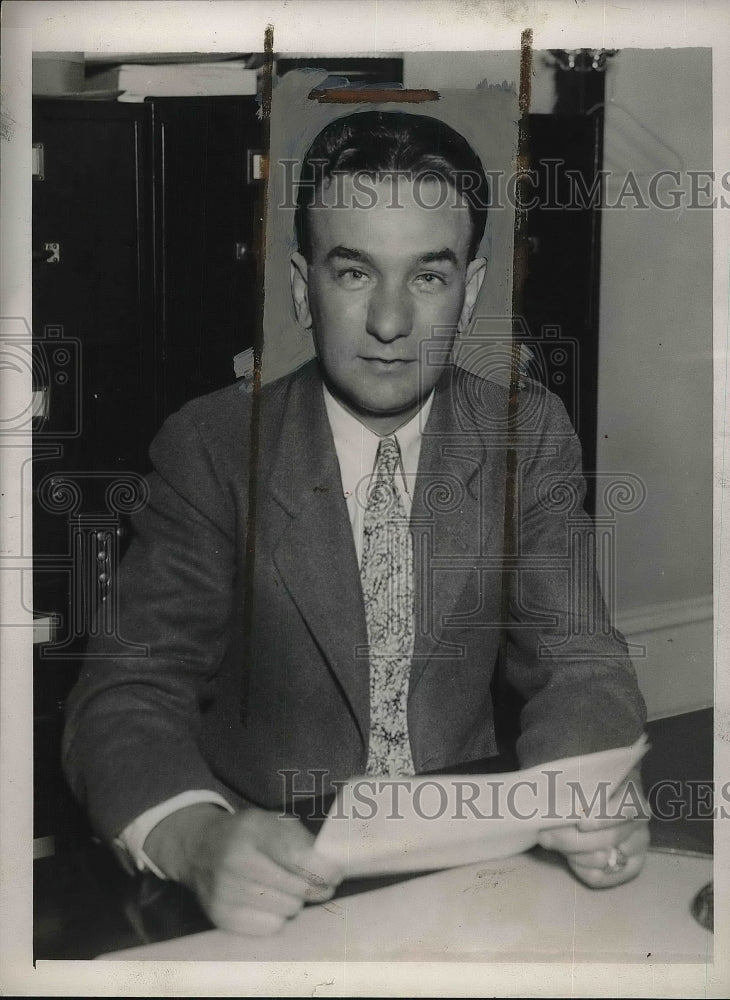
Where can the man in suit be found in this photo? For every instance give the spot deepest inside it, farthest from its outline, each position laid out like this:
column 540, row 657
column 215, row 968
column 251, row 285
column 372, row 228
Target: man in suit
column 319, row 576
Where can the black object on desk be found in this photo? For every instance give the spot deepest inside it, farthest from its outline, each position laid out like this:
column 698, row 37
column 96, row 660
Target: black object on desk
column 86, row 904
column 677, row 776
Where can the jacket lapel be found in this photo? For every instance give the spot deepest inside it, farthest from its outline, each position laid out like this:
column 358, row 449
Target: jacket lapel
column 315, row 555
column 456, row 512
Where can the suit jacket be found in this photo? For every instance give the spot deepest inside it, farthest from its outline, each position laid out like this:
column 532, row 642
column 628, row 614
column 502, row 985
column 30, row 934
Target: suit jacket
column 243, row 585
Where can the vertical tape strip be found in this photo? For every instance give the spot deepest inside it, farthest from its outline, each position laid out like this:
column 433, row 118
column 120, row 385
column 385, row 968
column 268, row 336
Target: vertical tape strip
column 258, row 350
column 519, row 275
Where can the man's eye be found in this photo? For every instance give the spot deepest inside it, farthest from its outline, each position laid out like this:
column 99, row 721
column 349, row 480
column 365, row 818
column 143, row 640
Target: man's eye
column 352, row 276
column 430, row 279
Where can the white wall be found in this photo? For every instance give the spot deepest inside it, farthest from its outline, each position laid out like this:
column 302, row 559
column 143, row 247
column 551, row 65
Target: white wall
column 655, row 371
column 467, row 69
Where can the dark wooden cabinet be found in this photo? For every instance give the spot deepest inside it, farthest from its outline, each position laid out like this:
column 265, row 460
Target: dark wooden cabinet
column 206, row 201
column 142, row 295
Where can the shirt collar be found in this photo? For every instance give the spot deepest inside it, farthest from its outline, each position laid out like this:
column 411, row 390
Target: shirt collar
column 356, row 445
column 350, row 432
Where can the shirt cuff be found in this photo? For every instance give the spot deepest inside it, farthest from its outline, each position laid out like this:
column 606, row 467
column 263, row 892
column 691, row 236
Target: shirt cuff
column 131, row 839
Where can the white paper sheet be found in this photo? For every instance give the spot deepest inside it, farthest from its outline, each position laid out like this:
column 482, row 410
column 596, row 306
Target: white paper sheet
column 379, row 826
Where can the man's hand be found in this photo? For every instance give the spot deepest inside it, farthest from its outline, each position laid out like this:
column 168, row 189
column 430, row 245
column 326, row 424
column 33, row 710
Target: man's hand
column 250, row 871
column 606, row 851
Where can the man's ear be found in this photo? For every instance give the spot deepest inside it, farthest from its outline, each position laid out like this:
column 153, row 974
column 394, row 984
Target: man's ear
column 475, row 272
column 298, row 276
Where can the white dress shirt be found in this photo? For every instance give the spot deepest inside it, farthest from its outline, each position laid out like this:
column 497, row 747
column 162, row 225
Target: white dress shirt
column 356, row 447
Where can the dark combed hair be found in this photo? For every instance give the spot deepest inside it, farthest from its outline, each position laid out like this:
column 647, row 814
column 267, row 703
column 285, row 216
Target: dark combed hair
column 381, row 142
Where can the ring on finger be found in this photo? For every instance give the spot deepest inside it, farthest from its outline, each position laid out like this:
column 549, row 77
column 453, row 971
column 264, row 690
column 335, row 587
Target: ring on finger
column 617, row 861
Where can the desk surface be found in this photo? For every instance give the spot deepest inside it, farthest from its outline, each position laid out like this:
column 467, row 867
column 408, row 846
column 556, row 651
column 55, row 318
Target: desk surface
column 525, row 908
column 85, row 904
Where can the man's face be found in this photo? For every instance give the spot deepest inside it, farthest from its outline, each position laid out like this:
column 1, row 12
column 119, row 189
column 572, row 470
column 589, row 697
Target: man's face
column 379, row 281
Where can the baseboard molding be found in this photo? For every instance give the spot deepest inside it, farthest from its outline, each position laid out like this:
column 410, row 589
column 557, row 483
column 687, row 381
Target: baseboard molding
column 676, row 666
column 670, row 614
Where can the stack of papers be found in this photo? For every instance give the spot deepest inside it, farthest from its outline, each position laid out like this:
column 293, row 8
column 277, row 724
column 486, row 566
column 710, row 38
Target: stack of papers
column 203, row 79
column 379, row 826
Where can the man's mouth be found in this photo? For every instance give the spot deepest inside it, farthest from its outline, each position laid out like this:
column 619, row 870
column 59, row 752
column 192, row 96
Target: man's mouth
column 388, row 362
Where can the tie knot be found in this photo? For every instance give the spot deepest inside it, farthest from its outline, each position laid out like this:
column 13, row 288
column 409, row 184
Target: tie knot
column 387, row 458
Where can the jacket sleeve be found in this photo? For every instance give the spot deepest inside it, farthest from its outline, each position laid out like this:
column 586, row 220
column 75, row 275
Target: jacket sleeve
column 562, row 653
column 132, row 724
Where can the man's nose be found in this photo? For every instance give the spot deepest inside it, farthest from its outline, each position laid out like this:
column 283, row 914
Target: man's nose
column 390, row 313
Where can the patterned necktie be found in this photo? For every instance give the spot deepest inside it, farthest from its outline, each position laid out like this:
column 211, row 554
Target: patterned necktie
column 387, row 584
